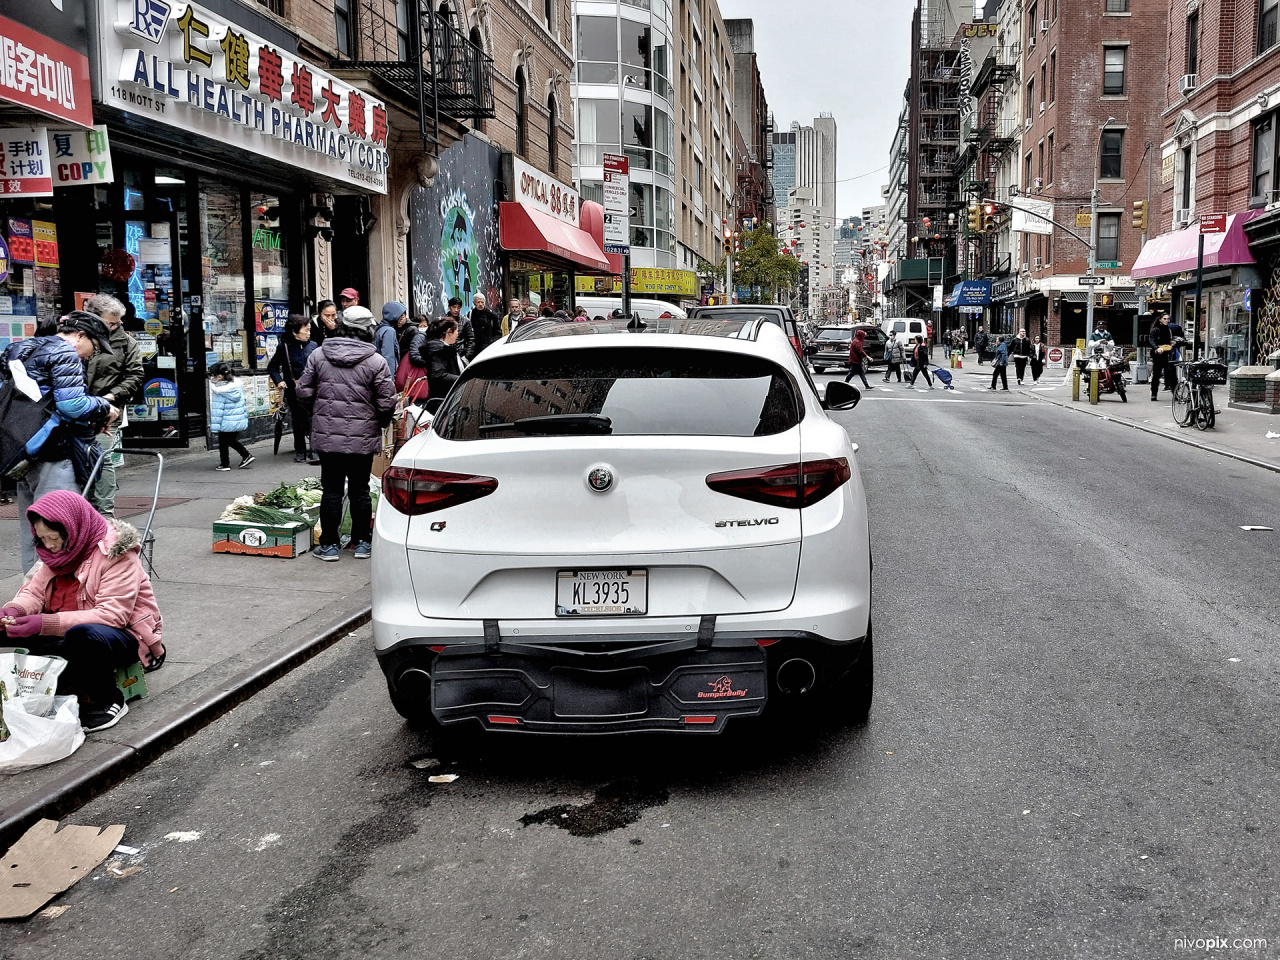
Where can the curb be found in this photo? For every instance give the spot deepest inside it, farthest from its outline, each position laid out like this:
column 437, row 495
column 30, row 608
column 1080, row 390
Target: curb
column 88, row 780
column 1158, row 432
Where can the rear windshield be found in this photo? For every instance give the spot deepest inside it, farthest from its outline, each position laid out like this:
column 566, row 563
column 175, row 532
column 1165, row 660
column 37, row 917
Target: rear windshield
column 899, row 326
column 631, row 391
column 836, row 335
column 746, row 314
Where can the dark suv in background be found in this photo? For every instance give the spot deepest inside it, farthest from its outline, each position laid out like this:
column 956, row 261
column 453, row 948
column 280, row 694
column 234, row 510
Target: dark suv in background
column 777, row 314
column 831, row 347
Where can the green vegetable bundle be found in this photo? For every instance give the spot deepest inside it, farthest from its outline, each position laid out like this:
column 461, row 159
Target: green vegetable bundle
column 257, row 513
column 282, row 496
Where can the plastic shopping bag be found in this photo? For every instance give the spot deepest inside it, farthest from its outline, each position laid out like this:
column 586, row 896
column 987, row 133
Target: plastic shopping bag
column 30, row 677
column 35, row 740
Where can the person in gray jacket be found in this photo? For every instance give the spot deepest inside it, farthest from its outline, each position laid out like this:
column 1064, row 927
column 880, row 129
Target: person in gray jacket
column 115, row 377
column 352, row 397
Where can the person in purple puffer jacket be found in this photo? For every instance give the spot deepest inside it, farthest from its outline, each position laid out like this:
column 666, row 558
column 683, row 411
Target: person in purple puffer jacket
column 351, row 395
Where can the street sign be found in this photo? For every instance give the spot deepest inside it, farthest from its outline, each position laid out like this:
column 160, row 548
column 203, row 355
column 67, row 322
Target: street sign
column 1084, row 219
column 937, row 297
column 1248, row 299
column 1213, row 223
column 617, row 204
column 1108, row 264
column 1092, row 281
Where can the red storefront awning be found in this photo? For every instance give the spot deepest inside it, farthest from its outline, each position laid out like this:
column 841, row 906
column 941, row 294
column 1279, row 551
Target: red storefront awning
column 520, row 228
column 1176, row 252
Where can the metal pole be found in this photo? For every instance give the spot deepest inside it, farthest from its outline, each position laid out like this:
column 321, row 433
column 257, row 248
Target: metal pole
column 728, row 271
column 626, row 282
column 1195, row 342
column 1093, row 254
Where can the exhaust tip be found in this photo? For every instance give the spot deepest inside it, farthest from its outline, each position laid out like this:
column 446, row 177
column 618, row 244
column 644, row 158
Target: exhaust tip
column 796, row 677
column 414, row 682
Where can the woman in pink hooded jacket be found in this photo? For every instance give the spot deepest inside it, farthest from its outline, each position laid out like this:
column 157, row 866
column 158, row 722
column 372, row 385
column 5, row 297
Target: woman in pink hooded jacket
column 89, row 601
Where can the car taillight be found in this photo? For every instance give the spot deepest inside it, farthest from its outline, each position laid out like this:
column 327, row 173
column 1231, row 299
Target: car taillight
column 415, row 492
column 795, row 342
column 784, row 486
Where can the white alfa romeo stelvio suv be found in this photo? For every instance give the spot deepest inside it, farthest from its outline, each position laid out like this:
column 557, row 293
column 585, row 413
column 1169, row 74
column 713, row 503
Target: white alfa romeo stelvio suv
column 615, row 527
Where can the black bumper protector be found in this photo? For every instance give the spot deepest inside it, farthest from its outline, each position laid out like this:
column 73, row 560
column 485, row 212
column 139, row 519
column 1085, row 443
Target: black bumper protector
column 554, row 692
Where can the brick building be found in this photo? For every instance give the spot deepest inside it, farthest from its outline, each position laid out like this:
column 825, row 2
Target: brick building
column 1218, row 154
column 1089, row 79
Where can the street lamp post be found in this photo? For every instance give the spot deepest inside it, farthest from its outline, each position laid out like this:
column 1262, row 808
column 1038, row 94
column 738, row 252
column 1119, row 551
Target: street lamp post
column 1093, row 227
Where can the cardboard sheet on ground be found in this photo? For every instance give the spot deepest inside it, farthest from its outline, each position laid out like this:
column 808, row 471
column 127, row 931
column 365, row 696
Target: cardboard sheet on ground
column 43, row 863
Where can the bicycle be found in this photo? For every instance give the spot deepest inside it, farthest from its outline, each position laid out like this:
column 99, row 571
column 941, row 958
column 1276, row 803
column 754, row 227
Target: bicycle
column 1193, row 396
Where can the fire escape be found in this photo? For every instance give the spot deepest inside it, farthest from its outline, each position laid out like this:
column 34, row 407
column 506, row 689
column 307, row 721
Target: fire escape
column 423, row 54
column 988, row 137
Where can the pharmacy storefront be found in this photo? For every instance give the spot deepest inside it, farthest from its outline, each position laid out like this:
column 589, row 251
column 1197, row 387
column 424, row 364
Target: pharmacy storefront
column 224, row 146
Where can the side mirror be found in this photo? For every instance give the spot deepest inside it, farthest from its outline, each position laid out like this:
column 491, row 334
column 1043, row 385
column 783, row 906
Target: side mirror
column 841, row 396
column 432, row 406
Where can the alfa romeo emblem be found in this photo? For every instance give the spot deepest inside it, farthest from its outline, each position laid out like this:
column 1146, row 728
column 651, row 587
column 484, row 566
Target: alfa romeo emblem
column 600, row 479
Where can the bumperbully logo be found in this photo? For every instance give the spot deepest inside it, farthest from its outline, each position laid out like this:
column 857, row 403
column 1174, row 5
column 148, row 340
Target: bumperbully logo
column 721, row 689
column 150, row 17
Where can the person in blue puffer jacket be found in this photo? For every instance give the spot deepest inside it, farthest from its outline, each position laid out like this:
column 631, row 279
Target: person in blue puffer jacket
column 63, row 453
column 228, row 415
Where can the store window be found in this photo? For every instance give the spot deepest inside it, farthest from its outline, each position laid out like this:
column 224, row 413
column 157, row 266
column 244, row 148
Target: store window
column 270, row 273
column 222, row 266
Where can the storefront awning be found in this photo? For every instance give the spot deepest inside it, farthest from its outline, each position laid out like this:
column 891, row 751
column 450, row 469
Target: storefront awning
column 1175, row 252
column 523, row 229
column 970, row 293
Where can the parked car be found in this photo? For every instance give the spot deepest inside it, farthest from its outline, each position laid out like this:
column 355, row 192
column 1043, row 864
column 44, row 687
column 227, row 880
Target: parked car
column 779, row 315
column 831, row 347
column 612, row 530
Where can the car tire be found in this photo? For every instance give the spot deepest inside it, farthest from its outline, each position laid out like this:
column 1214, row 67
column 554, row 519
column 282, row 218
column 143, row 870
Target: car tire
column 416, row 711
column 818, row 369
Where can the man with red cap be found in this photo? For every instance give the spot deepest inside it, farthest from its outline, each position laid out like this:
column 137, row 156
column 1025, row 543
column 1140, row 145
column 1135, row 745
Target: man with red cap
column 349, row 297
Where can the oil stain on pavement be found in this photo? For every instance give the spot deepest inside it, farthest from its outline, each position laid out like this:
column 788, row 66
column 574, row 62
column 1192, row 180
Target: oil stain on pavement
column 616, row 805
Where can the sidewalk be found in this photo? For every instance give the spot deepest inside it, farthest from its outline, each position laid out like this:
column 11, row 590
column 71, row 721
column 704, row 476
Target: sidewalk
column 1240, row 434
column 222, row 613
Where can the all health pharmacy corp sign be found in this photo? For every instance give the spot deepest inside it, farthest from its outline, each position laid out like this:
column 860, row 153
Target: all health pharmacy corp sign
column 182, row 65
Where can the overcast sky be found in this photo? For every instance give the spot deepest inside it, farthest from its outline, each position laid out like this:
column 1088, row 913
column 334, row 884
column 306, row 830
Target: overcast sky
column 846, row 57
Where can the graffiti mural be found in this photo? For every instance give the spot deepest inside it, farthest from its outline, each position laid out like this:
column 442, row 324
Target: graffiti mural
column 453, row 240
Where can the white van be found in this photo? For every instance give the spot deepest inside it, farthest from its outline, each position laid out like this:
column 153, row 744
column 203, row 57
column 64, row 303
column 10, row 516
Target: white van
column 644, row 309
column 905, row 327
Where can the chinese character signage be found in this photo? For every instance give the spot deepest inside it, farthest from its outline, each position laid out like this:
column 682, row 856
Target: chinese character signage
column 80, row 157
column 182, row 65
column 644, row 280
column 538, row 191
column 43, row 75
column 24, row 162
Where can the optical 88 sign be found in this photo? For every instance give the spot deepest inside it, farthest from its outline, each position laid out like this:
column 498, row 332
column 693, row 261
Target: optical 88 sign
column 190, row 68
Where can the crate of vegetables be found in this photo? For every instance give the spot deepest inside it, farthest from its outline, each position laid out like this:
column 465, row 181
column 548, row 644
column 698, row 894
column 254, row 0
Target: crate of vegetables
column 258, row 530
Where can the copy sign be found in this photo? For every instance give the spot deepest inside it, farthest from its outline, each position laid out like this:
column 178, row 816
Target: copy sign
column 617, row 190
column 1213, row 223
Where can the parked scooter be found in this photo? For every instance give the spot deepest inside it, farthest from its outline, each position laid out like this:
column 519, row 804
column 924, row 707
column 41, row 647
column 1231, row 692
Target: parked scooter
column 1111, row 363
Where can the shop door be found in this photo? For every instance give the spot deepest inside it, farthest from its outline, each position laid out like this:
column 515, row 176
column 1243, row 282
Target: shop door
column 140, row 256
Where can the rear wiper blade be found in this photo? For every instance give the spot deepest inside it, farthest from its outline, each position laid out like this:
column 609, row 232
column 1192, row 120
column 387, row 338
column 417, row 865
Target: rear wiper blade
column 557, row 423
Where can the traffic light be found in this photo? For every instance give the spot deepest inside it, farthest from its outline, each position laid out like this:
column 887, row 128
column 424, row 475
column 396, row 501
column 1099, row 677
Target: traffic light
column 1140, row 215
column 988, row 217
column 975, row 218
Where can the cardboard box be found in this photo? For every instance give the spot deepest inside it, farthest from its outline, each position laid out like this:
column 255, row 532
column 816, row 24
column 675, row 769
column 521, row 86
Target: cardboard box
column 261, row 539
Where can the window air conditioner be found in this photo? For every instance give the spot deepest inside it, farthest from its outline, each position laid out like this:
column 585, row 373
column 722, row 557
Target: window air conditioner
column 1042, row 106
column 1028, row 123
column 1044, row 26
column 1031, row 43
column 1187, row 83
column 1182, row 216
column 1037, row 263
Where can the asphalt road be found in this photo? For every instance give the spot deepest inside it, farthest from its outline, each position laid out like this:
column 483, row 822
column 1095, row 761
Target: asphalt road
column 1073, row 753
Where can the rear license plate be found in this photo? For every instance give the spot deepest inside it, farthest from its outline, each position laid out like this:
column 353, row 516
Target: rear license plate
column 602, row 593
